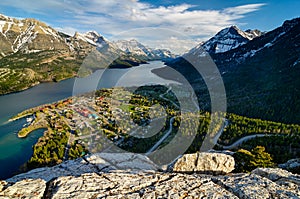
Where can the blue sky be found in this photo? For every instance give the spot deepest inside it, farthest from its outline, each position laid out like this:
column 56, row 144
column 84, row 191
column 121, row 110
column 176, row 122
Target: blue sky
column 185, row 22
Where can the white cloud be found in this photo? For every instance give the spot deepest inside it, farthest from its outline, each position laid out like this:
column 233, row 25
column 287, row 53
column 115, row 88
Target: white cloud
column 241, row 10
column 67, row 30
column 110, row 17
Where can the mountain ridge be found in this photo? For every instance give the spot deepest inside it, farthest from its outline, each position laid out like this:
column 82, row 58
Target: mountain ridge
column 32, row 52
column 260, row 77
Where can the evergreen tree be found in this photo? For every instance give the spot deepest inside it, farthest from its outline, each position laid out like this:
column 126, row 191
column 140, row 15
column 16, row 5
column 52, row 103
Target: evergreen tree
column 247, row 161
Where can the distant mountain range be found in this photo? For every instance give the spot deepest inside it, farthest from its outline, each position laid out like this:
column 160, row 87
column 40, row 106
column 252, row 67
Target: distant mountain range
column 134, row 47
column 260, row 71
column 32, row 52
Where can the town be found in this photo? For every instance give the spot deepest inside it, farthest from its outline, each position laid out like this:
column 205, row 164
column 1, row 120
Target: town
column 94, row 122
column 143, row 120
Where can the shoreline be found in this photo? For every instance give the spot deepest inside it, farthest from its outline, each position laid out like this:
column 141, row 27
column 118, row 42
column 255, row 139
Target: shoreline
column 29, row 132
column 31, row 111
column 166, row 74
column 35, row 84
column 21, row 90
column 60, row 80
column 15, row 118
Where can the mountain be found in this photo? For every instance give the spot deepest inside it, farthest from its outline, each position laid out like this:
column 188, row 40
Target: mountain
column 228, row 39
column 32, row 52
column 28, row 35
column 261, row 77
column 134, row 47
column 281, row 41
column 93, row 38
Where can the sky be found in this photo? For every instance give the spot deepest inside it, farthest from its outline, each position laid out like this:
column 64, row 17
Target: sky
column 173, row 24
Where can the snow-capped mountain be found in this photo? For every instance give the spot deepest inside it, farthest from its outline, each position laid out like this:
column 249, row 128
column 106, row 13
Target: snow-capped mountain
column 136, row 48
column 33, row 52
column 28, row 35
column 279, row 41
column 261, row 77
column 228, row 39
column 32, row 36
column 93, row 38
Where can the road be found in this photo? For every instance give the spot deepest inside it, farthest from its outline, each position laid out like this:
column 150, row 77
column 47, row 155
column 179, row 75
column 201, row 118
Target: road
column 162, row 97
column 163, row 138
column 171, row 122
column 244, row 139
column 131, row 134
column 166, row 134
column 216, row 138
column 67, row 148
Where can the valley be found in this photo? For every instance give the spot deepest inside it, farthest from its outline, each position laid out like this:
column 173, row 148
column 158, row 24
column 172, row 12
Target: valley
column 46, row 94
column 108, row 121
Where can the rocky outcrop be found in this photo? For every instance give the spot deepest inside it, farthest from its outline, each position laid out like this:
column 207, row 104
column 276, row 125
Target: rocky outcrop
column 25, row 189
column 292, row 165
column 279, row 176
column 99, row 162
column 211, row 163
column 122, row 161
column 122, row 184
column 255, row 186
column 142, row 185
column 98, row 176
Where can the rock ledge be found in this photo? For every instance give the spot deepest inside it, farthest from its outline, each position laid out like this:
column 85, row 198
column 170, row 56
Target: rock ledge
column 98, row 176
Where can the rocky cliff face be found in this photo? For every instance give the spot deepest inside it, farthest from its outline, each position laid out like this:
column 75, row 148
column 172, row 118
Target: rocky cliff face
column 135, row 176
column 228, row 39
column 28, row 35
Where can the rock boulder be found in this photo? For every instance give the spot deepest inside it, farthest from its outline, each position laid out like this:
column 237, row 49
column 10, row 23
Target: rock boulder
column 292, row 165
column 210, row 163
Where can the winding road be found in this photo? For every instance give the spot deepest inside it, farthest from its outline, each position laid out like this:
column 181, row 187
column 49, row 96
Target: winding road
column 162, row 97
column 216, row 138
column 244, row 139
column 162, row 139
column 171, row 121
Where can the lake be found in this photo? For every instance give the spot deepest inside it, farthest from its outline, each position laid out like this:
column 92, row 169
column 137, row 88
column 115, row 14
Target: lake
column 16, row 151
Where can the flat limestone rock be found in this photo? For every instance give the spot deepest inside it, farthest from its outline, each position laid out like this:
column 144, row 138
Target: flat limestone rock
column 135, row 176
column 122, row 161
column 93, row 163
column 276, row 174
column 71, row 167
column 25, row 189
column 250, row 186
column 143, row 185
column 281, row 177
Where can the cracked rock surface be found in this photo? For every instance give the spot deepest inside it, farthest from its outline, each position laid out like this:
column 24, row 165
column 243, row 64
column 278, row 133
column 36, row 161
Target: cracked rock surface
column 93, row 163
column 110, row 176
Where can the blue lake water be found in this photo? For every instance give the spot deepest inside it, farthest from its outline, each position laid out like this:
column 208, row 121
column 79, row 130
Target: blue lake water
column 15, row 151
